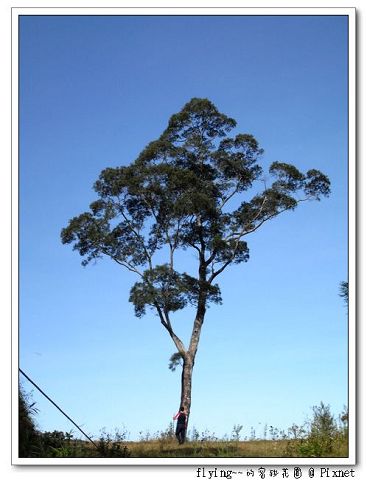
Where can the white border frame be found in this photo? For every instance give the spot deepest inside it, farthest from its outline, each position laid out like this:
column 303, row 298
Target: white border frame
column 352, row 354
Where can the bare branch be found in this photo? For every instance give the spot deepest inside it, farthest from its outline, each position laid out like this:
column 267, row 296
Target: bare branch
column 243, row 233
column 272, row 216
column 194, row 246
column 220, row 270
column 125, row 264
column 165, row 321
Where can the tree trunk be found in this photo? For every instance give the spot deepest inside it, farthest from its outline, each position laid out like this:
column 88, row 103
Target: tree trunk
column 189, row 361
column 189, row 357
column 186, row 384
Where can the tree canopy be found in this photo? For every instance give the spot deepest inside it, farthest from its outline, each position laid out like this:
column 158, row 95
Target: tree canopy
column 175, row 194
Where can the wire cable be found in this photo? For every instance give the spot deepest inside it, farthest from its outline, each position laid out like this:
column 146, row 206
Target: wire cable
column 53, row 403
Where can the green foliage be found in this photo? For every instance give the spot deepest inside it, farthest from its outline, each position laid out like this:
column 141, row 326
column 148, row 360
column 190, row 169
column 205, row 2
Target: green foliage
column 344, row 419
column 176, row 195
column 320, row 436
column 57, row 444
column 323, row 429
column 174, row 361
column 28, row 435
column 112, row 446
column 169, row 290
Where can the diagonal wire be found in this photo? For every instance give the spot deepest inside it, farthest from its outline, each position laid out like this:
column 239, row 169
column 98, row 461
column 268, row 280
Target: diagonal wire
column 53, row 403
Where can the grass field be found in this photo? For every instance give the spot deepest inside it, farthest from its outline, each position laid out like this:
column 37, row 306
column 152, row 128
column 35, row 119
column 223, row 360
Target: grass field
column 166, row 448
column 323, row 436
column 334, row 446
column 233, row 449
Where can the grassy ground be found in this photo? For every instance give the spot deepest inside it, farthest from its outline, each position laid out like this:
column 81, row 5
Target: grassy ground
column 323, row 436
column 331, row 447
column 206, row 449
column 232, row 449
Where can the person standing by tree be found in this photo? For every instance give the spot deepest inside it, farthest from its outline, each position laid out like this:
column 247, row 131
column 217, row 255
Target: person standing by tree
column 181, row 418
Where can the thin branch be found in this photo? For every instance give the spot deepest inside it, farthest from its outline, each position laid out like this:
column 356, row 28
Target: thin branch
column 237, row 236
column 165, row 321
column 136, row 233
column 211, row 258
column 247, row 232
column 175, row 243
column 166, row 230
column 243, row 233
column 232, row 237
column 194, row 246
column 126, row 264
column 275, row 215
column 201, row 240
column 229, row 196
column 220, row 270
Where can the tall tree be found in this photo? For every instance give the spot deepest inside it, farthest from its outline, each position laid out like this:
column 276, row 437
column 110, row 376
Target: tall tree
column 177, row 195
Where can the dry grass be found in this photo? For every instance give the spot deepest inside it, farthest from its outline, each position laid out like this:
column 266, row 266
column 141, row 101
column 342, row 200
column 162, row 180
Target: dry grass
column 225, row 449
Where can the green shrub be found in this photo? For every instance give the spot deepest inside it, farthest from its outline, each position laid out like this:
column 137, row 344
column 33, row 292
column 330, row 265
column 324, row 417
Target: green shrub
column 111, row 447
column 29, row 439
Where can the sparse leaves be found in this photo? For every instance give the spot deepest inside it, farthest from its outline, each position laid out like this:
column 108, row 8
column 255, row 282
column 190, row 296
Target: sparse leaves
column 174, row 361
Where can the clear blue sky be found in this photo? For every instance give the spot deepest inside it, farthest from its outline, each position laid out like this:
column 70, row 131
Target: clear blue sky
column 93, row 92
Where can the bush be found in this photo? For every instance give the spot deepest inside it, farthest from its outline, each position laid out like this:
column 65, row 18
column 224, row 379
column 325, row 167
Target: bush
column 322, row 433
column 319, row 437
column 29, row 439
column 111, row 447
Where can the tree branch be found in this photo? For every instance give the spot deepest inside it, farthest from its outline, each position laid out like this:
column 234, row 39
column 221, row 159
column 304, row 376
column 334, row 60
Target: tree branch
column 229, row 196
column 137, row 234
column 238, row 236
column 165, row 321
column 166, row 230
column 272, row 216
column 245, row 232
column 124, row 264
